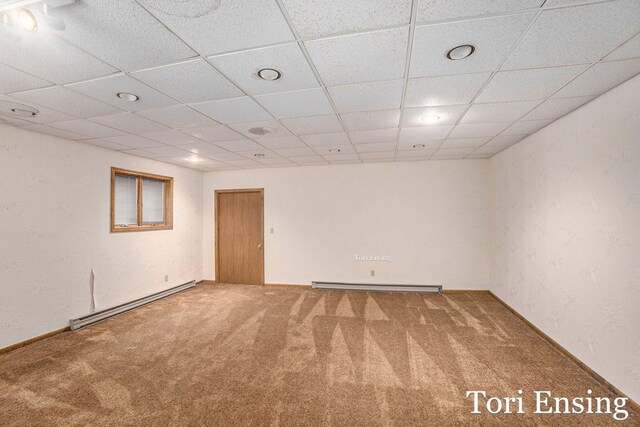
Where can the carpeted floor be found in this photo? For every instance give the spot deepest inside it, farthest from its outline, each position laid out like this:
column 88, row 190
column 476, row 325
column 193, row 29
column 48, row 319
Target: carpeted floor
column 245, row 355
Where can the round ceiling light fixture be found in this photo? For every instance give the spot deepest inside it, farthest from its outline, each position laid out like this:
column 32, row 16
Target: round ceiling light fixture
column 269, row 74
column 431, row 119
column 23, row 112
column 261, row 131
column 418, row 146
column 461, row 52
column 126, row 96
column 259, row 155
column 27, row 20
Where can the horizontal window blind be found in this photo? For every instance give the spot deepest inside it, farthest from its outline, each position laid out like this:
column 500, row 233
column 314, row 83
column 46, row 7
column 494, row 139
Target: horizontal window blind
column 126, row 200
column 152, row 201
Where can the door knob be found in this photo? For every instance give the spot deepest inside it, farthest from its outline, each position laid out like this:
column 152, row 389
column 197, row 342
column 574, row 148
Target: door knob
column 259, row 245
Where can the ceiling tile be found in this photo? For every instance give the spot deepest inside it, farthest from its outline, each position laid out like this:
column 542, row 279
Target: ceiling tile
column 239, row 145
column 86, row 127
column 460, row 151
column 336, row 138
column 224, row 156
column 498, row 112
column 366, row 120
column 299, row 103
column 129, row 122
column 444, row 90
column 166, row 151
column 600, row 78
column 447, row 157
column 133, row 141
column 526, row 85
column 479, row 156
column 314, row 124
column 67, row 101
column 275, row 161
column 339, row 158
column 525, row 128
column 360, row 58
column 12, row 80
column 419, row 135
column 378, row 155
column 214, row 133
column 276, row 127
column 51, row 58
column 295, row 152
column 376, row 147
column 192, row 81
column 12, row 121
column 371, row 136
column 106, row 90
column 437, row 10
column 44, row 115
column 493, row 39
column 414, row 153
column 242, row 68
column 478, row 130
column 48, row 130
column 629, row 50
column 121, row 33
column 554, row 108
column 178, row 117
column 327, row 17
column 171, row 137
column 264, row 154
column 238, row 25
column 140, row 153
column 574, row 26
column 235, row 110
column 105, row 144
column 246, row 163
column 367, row 96
column 308, row 160
column 203, row 148
column 464, row 142
column 489, row 150
column 280, row 142
column 505, row 140
column 443, row 115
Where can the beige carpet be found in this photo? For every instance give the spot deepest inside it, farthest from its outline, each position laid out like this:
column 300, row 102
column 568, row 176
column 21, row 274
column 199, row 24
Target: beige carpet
column 244, row 355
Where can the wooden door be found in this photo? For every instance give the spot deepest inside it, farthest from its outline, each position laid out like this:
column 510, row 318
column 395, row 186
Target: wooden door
column 240, row 236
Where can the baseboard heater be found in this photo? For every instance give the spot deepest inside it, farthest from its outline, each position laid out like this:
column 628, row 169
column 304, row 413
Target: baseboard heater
column 377, row 287
column 83, row 321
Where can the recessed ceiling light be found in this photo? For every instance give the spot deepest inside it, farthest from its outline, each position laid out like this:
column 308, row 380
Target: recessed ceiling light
column 334, row 150
column 269, row 74
column 259, row 155
column 23, row 112
column 262, row 131
column 461, row 52
column 431, row 119
column 127, row 96
column 418, row 146
column 27, row 20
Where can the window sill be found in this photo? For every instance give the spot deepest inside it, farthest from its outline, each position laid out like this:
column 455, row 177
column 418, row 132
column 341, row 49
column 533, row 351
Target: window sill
column 141, row 228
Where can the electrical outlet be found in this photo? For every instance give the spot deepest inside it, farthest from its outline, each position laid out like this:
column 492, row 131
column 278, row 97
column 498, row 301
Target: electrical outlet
column 166, row 278
column 373, row 273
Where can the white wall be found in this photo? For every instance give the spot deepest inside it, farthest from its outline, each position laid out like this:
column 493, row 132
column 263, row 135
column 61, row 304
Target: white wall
column 54, row 228
column 430, row 217
column 566, row 233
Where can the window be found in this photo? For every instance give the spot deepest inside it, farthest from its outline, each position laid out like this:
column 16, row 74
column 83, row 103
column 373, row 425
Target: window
column 140, row 201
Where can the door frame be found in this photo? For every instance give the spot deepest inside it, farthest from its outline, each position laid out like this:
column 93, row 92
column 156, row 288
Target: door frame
column 216, row 225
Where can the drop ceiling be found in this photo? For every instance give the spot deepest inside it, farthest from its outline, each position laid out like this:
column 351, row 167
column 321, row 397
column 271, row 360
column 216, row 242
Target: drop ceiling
column 362, row 81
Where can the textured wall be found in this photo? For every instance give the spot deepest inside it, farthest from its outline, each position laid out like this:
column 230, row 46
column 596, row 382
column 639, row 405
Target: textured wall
column 566, row 233
column 432, row 218
column 54, row 228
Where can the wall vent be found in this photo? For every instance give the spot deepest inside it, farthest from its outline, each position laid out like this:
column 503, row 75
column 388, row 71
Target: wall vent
column 377, row 287
column 83, row 321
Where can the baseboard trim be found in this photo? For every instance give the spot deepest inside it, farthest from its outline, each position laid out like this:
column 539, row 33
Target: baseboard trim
column 286, row 285
column 465, row 291
column 206, row 282
column 34, row 340
column 568, row 354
